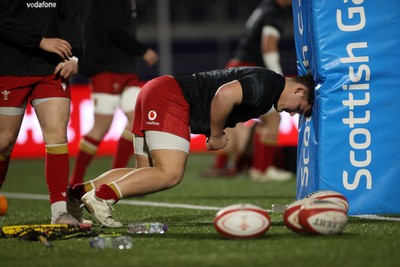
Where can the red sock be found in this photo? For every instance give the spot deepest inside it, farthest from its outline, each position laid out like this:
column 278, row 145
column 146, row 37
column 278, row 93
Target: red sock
column 124, row 151
column 242, row 162
column 264, row 154
column 221, row 161
column 257, row 153
column 56, row 171
column 4, row 162
column 87, row 151
column 106, row 192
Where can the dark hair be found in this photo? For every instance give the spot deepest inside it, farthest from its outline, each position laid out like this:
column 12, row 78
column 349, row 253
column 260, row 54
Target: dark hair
column 308, row 82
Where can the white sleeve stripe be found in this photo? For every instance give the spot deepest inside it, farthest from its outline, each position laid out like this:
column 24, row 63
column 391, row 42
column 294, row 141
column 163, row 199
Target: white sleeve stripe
column 270, row 30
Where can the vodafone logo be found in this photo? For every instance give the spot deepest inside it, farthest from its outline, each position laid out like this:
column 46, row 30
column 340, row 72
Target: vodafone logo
column 152, row 115
column 42, row 4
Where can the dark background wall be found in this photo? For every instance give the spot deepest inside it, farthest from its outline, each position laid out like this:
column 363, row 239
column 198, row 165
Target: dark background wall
column 193, row 35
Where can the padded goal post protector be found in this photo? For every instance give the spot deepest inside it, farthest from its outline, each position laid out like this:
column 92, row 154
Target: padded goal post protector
column 351, row 144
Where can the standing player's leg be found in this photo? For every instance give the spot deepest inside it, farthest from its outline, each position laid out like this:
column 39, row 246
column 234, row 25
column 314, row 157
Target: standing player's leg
column 107, row 88
column 87, row 150
column 125, row 143
column 266, row 150
column 10, row 123
column 53, row 115
column 242, row 160
column 104, row 109
column 12, row 110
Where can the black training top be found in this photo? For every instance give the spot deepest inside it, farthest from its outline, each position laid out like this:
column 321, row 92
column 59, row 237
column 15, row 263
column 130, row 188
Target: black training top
column 110, row 42
column 24, row 23
column 261, row 90
column 268, row 12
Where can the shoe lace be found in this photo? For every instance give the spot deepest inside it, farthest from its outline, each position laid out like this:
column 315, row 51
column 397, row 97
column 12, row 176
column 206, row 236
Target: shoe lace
column 110, row 209
column 109, row 219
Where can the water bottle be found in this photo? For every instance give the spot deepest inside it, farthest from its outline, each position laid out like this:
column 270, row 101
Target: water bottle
column 278, row 208
column 147, row 228
column 118, row 242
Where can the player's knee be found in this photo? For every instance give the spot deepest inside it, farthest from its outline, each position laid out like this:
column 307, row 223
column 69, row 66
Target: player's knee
column 55, row 138
column 174, row 178
column 7, row 141
column 55, row 134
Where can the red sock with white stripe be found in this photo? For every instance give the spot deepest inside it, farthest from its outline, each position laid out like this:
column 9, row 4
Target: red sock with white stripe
column 109, row 191
column 56, row 171
column 87, row 150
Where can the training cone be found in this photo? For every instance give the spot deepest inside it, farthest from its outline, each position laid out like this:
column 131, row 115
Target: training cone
column 3, row 205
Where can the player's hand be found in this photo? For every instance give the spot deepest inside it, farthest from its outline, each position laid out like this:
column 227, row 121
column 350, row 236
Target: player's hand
column 216, row 142
column 151, row 57
column 57, row 46
column 67, row 68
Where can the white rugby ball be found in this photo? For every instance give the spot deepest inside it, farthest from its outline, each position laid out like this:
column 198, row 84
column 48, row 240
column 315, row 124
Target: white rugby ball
column 291, row 216
column 318, row 216
column 242, row 221
column 332, row 196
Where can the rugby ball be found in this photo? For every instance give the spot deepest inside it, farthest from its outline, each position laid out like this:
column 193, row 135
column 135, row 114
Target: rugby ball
column 332, row 196
column 325, row 217
column 242, row 221
column 291, row 216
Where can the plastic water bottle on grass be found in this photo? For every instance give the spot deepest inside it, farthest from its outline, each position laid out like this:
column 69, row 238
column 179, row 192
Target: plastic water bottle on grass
column 278, row 208
column 117, row 242
column 147, row 228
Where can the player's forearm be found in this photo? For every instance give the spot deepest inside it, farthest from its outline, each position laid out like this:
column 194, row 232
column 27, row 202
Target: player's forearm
column 219, row 113
column 270, row 48
column 226, row 97
column 272, row 61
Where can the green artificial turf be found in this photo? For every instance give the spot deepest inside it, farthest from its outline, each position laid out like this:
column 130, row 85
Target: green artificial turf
column 192, row 240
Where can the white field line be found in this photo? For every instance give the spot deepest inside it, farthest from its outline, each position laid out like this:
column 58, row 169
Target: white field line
column 175, row 205
column 167, row 205
column 126, row 202
column 377, row 217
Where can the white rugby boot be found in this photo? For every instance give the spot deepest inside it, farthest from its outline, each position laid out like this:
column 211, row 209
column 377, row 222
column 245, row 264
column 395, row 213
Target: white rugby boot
column 100, row 209
column 255, row 175
column 64, row 218
column 273, row 173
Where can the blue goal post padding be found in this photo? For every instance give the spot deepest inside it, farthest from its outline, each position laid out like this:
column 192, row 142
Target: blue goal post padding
column 351, row 144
